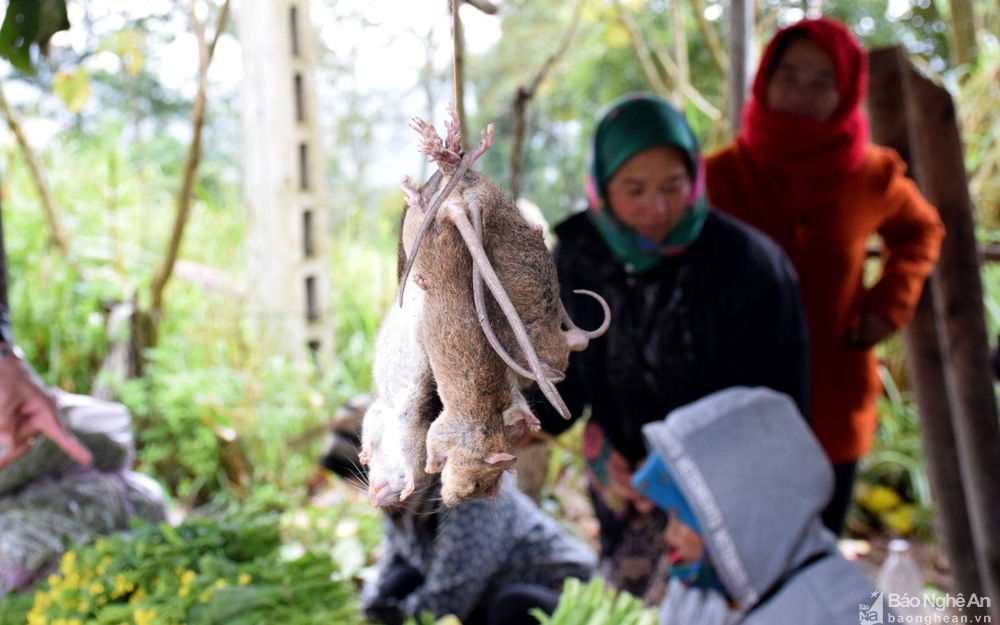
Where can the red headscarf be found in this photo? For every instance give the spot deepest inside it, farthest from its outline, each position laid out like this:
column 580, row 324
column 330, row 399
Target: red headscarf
column 802, row 148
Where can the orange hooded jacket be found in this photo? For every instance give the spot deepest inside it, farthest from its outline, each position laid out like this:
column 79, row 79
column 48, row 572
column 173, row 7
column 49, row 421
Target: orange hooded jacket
column 826, row 239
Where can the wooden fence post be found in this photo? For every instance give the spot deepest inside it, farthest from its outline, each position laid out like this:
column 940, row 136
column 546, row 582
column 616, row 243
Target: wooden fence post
column 921, row 340
column 958, row 296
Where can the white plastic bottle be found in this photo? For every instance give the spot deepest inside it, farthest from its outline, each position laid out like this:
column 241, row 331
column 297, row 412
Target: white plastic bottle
column 901, row 581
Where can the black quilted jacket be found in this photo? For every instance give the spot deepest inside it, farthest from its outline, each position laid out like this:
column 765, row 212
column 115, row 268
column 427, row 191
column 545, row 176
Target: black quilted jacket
column 726, row 312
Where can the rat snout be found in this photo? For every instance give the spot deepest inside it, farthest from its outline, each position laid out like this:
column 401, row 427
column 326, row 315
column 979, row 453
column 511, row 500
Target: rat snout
column 379, row 493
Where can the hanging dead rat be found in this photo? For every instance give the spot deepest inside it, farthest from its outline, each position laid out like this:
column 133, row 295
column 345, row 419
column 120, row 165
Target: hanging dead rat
column 473, row 342
column 394, row 430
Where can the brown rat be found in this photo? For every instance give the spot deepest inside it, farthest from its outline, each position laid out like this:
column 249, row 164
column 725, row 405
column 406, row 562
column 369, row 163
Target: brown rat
column 515, row 265
column 468, row 441
column 479, row 231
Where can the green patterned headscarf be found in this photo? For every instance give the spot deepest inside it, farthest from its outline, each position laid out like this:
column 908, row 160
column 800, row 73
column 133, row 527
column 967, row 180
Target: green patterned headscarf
column 632, row 124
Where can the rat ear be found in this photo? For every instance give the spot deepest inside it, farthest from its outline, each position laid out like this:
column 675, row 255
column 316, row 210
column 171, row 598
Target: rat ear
column 435, row 464
column 514, row 431
column 501, row 460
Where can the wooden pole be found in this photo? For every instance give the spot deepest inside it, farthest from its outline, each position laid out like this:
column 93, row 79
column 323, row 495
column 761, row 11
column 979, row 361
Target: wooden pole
column 742, row 21
column 4, row 301
column 958, row 296
column 922, row 344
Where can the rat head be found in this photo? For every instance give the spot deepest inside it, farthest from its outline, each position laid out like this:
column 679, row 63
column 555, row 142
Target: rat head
column 465, row 477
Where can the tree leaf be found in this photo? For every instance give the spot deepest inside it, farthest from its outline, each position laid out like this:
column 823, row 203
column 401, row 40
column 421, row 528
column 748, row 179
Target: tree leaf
column 73, row 89
column 20, row 26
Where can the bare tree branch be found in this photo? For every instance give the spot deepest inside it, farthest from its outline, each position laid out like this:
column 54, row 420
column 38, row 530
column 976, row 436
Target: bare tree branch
column 184, row 195
column 526, row 93
column 657, row 83
column 56, row 233
column 668, row 82
column 483, row 5
column 681, row 50
column 710, row 37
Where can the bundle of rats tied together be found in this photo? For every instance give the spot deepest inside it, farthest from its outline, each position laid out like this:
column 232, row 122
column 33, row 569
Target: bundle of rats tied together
column 447, row 340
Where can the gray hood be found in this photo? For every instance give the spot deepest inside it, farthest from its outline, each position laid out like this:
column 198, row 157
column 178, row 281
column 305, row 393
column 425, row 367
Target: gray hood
column 756, row 480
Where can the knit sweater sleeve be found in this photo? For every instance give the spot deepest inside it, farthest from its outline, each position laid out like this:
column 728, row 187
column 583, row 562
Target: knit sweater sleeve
column 911, row 233
column 468, row 550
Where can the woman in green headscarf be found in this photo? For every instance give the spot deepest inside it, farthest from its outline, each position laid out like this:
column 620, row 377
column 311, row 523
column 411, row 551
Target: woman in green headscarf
column 699, row 302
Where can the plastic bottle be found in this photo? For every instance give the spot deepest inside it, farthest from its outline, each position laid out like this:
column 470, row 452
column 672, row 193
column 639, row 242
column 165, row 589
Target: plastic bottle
column 901, row 581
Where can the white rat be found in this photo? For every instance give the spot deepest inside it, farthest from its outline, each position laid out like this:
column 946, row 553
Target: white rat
column 395, row 426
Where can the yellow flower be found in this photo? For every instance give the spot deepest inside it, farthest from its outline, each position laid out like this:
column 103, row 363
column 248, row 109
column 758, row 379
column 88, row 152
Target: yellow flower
column 67, row 562
column 900, row 520
column 880, row 499
column 219, row 583
column 97, row 588
column 244, row 579
column 205, row 596
column 144, row 617
column 189, row 577
column 103, row 565
column 122, row 586
column 183, row 591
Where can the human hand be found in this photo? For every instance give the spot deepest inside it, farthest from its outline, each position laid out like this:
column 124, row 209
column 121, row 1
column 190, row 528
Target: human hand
column 870, row 329
column 695, row 606
column 26, row 411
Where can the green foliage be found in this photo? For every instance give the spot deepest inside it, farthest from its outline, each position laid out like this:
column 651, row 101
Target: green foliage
column 232, row 571
column 977, row 100
column 28, row 23
column 363, row 269
column 892, row 491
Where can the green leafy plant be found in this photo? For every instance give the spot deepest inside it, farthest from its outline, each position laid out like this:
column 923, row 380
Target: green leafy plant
column 203, row 572
column 893, row 491
column 594, row 604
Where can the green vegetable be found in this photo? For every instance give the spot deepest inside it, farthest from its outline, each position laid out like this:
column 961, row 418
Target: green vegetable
column 593, row 604
column 202, row 572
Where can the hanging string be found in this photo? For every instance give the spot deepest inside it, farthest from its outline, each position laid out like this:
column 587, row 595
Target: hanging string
column 454, row 49
column 456, row 64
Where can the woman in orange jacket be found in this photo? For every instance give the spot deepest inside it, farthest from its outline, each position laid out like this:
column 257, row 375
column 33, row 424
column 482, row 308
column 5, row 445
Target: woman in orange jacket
column 803, row 172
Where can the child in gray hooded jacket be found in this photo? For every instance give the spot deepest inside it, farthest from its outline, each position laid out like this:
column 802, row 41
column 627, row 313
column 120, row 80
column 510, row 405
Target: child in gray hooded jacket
column 742, row 474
